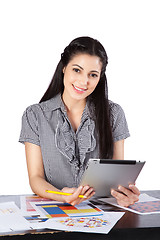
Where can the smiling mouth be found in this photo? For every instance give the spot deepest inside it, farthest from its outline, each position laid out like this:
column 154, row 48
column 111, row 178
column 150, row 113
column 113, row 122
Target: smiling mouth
column 79, row 89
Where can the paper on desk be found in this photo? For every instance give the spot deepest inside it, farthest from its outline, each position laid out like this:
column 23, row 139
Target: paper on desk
column 145, row 205
column 38, row 211
column 54, row 209
column 30, row 214
column 11, row 218
column 26, row 206
column 95, row 224
column 4, row 229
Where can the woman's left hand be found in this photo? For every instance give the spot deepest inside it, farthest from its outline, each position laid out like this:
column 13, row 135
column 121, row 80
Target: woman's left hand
column 126, row 196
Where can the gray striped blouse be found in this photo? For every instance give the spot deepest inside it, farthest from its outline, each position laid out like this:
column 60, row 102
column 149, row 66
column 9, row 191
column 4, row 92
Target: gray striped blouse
column 65, row 153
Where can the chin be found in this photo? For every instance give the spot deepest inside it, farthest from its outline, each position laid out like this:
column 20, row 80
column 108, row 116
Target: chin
column 79, row 97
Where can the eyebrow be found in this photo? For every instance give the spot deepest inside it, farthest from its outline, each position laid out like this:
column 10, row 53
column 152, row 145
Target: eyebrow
column 83, row 69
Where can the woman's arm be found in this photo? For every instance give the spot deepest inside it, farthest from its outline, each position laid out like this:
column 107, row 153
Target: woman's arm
column 118, row 150
column 126, row 197
column 38, row 183
column 36, row 170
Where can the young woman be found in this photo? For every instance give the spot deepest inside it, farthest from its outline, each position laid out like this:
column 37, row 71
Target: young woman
column 73, row 122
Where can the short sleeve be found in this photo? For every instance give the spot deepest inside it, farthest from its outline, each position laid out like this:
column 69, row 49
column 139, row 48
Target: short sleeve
column 29, row 130
column 118, row 122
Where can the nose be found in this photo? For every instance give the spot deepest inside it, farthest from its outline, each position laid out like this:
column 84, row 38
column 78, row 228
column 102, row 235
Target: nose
column 84, row 80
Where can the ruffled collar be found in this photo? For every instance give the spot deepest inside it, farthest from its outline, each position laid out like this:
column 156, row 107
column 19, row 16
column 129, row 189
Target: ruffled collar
column 73, row 145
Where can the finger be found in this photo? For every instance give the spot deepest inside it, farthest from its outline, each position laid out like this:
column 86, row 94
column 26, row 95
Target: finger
column 133, row 197
column 75, row 202
column 77, row 192
column 85, row 189
column 125, row 191
column 133, row 192
column 125, row 198
column 117, row 195
column 134, row 189
column 122, row 199
column 123, row 203
column 76, row 199
column 89, row 193
column 70, row 199
column 85, row 192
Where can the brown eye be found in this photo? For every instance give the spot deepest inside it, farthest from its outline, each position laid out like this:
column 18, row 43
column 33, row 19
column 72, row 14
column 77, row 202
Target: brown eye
column 93, row 75
column 76, row 70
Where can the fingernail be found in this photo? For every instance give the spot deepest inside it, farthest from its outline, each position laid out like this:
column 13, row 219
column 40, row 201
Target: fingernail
column 112, row 191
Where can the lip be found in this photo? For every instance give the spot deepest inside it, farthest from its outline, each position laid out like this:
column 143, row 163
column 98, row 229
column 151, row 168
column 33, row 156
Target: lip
column 78, row 89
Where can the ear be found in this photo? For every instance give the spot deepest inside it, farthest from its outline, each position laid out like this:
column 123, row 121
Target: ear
column 64, row 69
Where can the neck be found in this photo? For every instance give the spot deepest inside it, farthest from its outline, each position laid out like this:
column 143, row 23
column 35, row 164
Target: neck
column 73, row 105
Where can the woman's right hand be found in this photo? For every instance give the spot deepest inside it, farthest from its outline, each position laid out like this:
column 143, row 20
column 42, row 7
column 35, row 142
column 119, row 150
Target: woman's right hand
column 73, row 199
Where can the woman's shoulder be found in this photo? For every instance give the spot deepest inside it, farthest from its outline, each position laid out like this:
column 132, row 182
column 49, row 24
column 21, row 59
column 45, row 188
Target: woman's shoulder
column 33, row 109
column 118, row 122
column 114, row 108
column 116, row 113
column 47, row 105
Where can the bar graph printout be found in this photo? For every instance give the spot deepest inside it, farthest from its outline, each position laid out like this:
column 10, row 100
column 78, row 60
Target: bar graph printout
column 53, row 209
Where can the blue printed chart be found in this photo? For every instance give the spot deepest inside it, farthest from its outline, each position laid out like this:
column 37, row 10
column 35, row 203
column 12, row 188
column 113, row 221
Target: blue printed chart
column 146, row 207
column 58, row 209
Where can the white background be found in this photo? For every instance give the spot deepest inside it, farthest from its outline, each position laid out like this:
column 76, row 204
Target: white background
column 33, row 34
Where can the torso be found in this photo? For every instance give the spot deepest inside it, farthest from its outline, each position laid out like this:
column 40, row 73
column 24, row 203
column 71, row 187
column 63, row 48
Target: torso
column 66, row 152
column 75, row 119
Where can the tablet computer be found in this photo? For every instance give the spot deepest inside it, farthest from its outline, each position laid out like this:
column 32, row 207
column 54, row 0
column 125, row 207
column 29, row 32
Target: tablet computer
column 104, row 174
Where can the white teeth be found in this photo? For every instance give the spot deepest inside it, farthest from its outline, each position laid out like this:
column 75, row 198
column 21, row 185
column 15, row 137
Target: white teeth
column 82, row 90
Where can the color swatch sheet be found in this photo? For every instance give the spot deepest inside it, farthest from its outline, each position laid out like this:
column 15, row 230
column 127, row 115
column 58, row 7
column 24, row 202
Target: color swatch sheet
column 145, row 205
column 11, row 218
column 26, row 202
column 53, row 209
column 39, row 213
column 97, row 224
column 29, row 212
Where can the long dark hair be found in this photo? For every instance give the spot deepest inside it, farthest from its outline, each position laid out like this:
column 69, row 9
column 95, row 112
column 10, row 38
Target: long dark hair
column 99, row 97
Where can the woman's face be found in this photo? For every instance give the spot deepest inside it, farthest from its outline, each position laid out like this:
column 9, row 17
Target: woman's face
column 81, row 76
